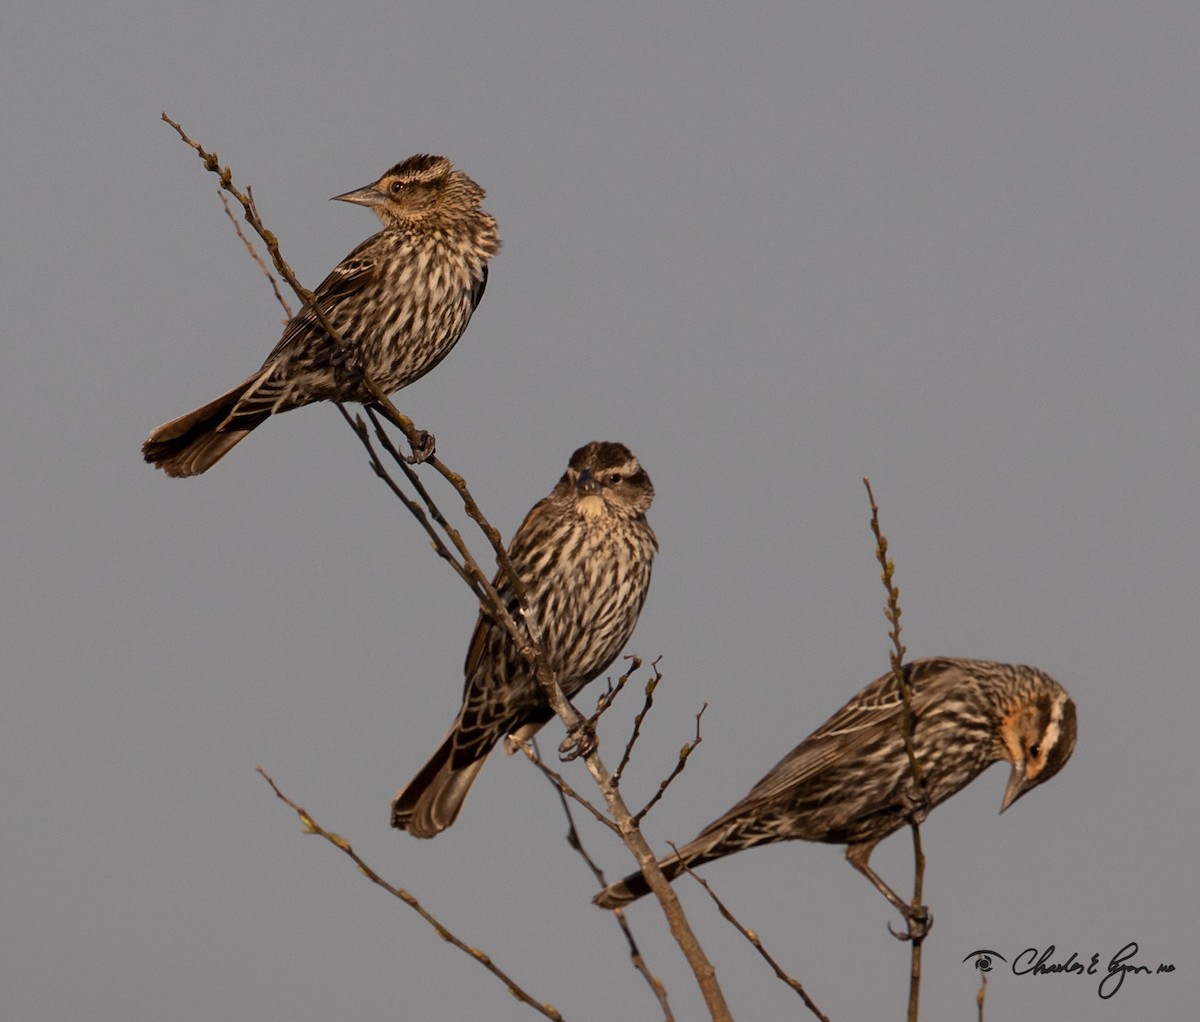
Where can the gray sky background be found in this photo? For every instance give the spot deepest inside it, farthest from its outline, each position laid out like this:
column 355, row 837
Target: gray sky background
column 773, row 248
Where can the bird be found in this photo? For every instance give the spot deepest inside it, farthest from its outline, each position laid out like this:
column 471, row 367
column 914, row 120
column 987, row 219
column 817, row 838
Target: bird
column 850, row 782
column 400, row 301
column 584, row 555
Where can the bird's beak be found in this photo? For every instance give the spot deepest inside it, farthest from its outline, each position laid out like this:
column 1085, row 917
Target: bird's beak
column 586, row 483
column 368, row 196
column 1017, row 786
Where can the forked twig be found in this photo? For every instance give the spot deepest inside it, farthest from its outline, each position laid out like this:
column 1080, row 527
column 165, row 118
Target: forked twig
column 606, row 698
column 287, row 309
column 651, row 685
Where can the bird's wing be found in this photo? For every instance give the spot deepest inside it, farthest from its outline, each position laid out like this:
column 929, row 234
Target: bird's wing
column 345, row 281
column 854, row 728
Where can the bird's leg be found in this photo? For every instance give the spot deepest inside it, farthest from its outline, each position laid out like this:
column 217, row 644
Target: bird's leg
column 918, row 917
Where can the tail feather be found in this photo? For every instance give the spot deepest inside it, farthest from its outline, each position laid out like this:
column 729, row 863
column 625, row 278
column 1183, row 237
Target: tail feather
column 704, row 849
column 431, row 801
column 195, row 442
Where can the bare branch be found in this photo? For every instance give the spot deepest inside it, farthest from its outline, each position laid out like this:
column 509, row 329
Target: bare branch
column 312, row 827
column 755, row 940
column 915, row 933
column 522, row 628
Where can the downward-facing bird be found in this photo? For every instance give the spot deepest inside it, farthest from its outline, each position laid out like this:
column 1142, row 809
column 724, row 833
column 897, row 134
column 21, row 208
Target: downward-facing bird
column 583, row 555
column 400, row 301
column 850, row 781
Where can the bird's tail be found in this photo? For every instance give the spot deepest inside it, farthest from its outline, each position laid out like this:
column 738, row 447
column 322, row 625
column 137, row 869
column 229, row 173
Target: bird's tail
column 431, row 801
column 704, row 849
column 195, row 442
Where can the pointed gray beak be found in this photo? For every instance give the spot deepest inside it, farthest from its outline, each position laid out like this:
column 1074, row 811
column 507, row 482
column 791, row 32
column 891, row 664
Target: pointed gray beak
column 368, row 196
column 1016, row 787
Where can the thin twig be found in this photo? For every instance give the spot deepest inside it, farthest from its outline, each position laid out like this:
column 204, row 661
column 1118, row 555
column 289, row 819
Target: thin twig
column 651, row 685
column 287, row 309
column 556, row 779
column 606, row 698
column 755, row 940
column 486, row 591
column 468, row 572
column 892, row 613
column 684, row 753
column 312, row 827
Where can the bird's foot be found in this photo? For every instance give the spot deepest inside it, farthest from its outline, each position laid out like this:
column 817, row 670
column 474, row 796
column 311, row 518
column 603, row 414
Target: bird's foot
column 422, row 448
column 915, row 804
column 919, row 922
column 580, row 741
column 348, row 367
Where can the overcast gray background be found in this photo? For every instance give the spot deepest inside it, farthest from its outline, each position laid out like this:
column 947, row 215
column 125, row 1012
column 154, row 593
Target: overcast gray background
column 774, row 249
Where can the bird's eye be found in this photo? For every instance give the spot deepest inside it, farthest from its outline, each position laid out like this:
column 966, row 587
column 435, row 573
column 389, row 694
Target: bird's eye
column 397, row 187
column 614, row 478
column 1035, row 750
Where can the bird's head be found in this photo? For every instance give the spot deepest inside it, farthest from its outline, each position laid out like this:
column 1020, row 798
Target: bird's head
column 419, row 189
column 1038, row 736
column 605, row 478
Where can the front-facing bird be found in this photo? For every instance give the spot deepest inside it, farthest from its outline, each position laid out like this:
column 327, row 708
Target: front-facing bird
column 850, row 781
column 400, row 301
column 584, row 555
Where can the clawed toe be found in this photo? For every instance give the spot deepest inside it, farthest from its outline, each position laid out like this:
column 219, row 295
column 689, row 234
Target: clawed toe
column 580, row 742
column 422, row 448
column 919, row 920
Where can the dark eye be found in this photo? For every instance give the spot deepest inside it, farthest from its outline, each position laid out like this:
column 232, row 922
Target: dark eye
column 397, row 187
column 1035, row 750
column 614, row 478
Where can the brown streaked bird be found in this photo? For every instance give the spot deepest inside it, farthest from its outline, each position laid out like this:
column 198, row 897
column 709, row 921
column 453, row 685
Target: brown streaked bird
column 584, row 555
column 850, row 781
column 400, row 301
